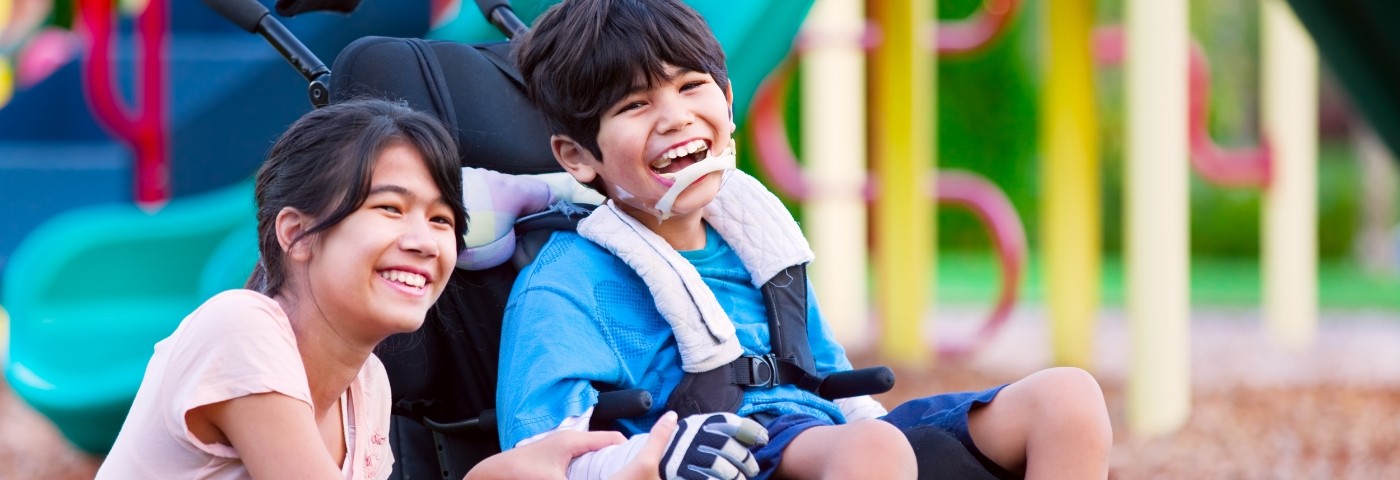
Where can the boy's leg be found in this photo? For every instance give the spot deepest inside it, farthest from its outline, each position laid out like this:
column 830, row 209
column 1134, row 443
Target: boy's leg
column 1051, row 424
column 861, row 449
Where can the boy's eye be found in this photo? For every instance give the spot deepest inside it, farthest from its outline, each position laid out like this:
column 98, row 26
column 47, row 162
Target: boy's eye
column 389, row 208
column 442, row 220
column 629, row 106
column 692, row 85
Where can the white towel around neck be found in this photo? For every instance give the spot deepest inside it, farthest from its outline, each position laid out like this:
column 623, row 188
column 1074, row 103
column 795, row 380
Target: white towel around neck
column 754, row 223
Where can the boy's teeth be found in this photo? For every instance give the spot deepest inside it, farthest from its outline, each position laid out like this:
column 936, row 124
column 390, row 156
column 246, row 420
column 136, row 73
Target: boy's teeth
column 683, row 150
column 406, row 278
column 661, row 163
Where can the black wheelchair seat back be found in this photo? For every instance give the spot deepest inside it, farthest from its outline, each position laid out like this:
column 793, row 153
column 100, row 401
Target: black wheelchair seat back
column 475, row 89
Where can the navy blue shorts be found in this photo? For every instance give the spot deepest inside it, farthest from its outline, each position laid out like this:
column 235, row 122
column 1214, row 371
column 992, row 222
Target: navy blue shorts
column 947, row 412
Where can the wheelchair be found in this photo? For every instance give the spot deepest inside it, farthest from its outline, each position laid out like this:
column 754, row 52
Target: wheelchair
column 443, row 377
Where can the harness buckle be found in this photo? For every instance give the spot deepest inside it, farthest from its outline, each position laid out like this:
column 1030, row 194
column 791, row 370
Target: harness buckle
column 763, row 370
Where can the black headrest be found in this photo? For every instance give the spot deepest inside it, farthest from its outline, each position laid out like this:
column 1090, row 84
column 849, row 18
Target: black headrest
column 474, row 89
column 289, row 8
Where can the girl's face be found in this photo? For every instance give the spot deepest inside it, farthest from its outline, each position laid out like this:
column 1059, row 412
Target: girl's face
column 386, row 263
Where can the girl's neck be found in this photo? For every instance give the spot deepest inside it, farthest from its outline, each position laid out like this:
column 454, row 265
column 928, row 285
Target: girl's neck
column 331, row 360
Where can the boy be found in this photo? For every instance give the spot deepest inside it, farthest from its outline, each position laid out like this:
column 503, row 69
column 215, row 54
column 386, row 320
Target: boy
column 662, row 284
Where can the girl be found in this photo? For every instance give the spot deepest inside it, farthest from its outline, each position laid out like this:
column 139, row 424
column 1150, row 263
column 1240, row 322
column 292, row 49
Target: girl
column 360, row 219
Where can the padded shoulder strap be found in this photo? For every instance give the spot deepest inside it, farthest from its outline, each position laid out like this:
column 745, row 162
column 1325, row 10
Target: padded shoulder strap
column 785, row 298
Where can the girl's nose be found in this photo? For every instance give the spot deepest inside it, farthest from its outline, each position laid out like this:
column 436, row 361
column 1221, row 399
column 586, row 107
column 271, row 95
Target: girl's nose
column 418, row 238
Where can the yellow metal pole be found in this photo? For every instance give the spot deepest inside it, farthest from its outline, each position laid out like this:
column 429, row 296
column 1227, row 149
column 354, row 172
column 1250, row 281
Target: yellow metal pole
column 833, row 143
column 1070, row 199
column 902, row 142
column 1289, row 232
column 1156, row 247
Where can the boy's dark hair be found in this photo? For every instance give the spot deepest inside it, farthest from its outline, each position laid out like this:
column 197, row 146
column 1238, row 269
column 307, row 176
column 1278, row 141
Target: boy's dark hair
column 582, row 56
column 322, row 165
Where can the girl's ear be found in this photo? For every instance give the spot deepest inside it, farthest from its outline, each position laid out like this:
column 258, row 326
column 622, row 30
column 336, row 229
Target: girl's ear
column 575, row 159
column 290, row 225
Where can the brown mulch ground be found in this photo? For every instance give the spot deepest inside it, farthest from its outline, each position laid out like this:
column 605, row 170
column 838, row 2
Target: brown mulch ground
column 1331, row 413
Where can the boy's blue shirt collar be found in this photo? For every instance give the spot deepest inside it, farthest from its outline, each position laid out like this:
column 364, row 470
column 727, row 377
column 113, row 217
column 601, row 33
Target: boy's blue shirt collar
column 714, row 244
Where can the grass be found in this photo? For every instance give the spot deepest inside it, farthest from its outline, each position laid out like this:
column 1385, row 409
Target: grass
column 973, row 277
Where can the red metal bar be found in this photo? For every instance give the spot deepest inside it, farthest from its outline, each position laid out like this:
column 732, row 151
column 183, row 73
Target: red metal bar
column 1232, row 167
column 144, row 127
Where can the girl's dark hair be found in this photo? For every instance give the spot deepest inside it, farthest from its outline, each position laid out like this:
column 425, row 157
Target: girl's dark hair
column 322, row 166
column 582, row 56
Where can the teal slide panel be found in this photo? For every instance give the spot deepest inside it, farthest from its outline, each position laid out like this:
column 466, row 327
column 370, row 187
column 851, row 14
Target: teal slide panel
column 756, row 35
column 91, row 291
column 1360, row 41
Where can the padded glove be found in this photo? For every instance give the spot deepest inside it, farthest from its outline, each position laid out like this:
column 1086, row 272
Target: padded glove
column 713, row 446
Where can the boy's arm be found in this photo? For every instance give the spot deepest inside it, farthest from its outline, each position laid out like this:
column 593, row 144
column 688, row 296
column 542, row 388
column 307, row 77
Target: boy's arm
column 551, row 352
column 713, row 445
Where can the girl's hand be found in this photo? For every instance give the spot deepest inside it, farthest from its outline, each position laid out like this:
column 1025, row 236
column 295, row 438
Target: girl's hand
column 546, row 459
column 646, row 465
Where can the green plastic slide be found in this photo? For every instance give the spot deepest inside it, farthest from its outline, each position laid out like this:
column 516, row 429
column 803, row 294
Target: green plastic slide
column 1358, row 39
column 91, row 291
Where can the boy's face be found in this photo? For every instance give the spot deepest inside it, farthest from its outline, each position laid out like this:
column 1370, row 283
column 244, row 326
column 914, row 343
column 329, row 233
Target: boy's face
column 655, row 130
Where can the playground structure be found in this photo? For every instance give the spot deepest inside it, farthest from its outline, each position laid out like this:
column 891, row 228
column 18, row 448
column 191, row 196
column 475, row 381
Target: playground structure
column 902, row 64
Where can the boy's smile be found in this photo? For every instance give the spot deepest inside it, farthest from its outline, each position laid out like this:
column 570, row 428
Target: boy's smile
column 677, row 158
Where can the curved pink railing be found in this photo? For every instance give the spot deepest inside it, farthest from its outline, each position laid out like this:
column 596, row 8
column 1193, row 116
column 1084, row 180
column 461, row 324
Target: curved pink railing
column 1233, row 167
column 970, row 35
column 952, row 187
column 144, row 127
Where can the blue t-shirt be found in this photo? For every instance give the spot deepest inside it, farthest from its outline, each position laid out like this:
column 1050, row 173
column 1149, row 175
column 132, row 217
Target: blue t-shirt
column 579, row 315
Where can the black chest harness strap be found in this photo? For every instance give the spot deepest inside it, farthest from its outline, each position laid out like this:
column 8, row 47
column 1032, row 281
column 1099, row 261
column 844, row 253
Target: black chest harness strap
column 789, row 363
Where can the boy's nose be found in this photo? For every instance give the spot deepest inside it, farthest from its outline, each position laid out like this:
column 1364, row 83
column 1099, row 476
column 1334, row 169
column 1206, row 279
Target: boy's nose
column 673, row 118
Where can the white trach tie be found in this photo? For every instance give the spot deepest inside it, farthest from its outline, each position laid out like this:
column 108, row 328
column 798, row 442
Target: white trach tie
column 689, row 174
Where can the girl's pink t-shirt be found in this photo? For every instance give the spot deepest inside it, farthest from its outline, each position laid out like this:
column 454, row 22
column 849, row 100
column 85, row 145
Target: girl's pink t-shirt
column 237, row 343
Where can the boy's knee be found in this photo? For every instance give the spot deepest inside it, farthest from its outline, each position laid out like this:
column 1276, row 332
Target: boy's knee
column 1074, row 395
column 1067, row 388
column 881, row 447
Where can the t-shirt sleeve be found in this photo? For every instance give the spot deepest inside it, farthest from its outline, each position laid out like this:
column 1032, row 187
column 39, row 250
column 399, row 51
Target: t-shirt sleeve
column 238, row 343
column 552, row 350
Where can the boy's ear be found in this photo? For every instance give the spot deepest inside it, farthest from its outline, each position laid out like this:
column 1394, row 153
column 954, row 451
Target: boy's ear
column 289, row 225
column 729, row 95
column 575, row 159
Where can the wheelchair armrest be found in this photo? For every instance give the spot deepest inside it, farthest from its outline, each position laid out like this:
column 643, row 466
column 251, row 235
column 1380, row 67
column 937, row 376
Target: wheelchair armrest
column 852, row 383
column 611, row 406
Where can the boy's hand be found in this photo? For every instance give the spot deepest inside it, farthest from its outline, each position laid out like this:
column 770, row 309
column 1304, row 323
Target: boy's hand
column 713, row 445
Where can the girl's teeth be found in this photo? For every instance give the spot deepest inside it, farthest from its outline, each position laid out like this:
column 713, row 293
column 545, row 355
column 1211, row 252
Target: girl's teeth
column 410, row 279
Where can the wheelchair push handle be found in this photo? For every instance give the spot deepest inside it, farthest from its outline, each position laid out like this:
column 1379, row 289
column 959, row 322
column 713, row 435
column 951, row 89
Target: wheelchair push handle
column 500, row 14
column 253, row 17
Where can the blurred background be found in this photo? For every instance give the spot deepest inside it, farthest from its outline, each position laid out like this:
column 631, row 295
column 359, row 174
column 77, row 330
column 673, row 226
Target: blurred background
column 1194, row 200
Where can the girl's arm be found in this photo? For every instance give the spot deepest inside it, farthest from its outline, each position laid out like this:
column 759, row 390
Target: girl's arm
column 275, row 435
